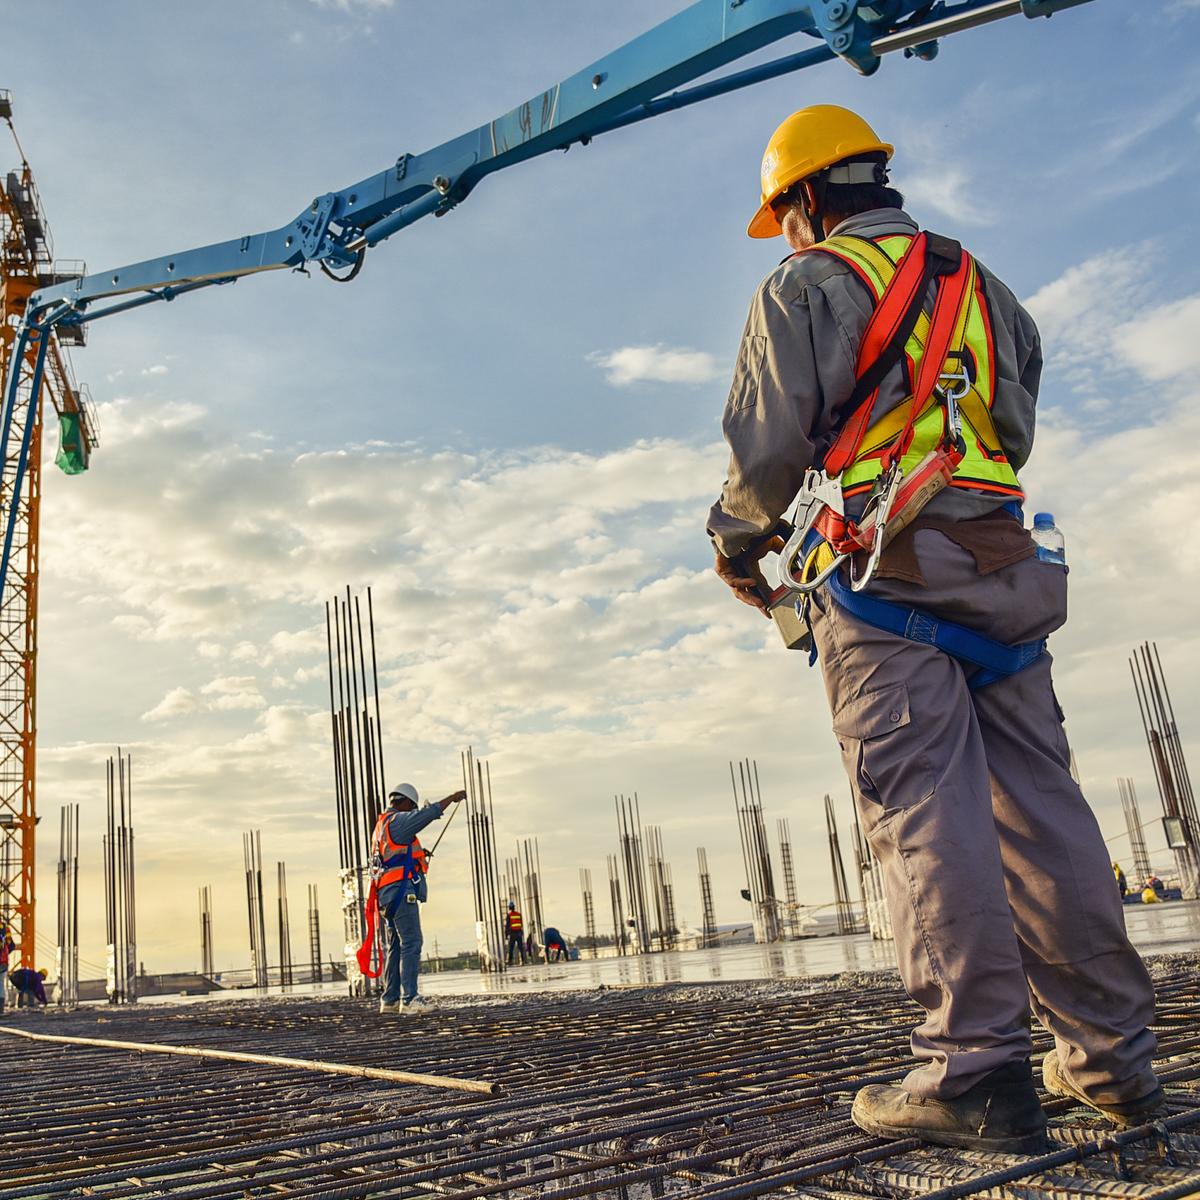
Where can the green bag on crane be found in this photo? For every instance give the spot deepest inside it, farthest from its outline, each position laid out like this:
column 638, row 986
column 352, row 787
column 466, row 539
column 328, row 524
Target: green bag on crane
column 72, row 456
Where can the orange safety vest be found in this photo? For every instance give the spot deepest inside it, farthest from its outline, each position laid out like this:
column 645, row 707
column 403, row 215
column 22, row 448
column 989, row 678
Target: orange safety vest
column 392, row 861
column 514, row 922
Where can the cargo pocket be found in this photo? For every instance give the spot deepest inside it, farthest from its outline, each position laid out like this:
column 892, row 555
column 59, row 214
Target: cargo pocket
column 882, row 754
column 751, row 355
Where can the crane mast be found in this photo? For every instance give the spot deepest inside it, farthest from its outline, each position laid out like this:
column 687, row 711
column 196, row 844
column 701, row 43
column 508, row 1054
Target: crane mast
column 27, row 263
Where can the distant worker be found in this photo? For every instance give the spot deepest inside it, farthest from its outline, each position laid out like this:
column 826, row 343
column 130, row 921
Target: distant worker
column 1150, row 895
column 556, row 945
column 514, row 932
column 1122, row 885
column 992, row 862
column 531, row 947
column 7, row 946
column 399, row 864
column 30, row 986
column 1157, row 884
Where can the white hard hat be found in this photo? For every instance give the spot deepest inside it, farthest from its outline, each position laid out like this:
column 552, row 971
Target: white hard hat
column 404, row 791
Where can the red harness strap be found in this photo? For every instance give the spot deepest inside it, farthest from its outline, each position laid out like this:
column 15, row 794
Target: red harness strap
column 367, row 958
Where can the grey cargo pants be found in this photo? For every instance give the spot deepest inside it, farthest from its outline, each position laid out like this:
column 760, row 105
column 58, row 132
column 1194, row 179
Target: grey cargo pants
column 996, row 875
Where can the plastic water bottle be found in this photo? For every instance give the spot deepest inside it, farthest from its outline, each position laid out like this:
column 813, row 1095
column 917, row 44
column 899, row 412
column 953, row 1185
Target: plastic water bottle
column 1051, row 545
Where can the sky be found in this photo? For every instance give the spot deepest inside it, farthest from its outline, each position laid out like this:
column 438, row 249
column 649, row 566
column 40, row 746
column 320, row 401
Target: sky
column 509, row 426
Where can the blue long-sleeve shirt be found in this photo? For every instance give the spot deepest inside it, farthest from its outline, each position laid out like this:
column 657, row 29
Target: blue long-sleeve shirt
column 404, row 826
column 26, row 979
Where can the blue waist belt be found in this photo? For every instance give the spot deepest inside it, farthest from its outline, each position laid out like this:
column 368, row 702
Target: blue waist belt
column 994, row 659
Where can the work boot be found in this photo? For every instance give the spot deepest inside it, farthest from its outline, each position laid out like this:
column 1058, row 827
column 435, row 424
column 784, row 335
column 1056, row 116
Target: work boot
column 1001, row 1113
column 1126, row 1114
column 389, row 1006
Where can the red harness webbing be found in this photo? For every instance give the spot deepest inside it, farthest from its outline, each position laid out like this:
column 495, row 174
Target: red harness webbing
column 882, row 329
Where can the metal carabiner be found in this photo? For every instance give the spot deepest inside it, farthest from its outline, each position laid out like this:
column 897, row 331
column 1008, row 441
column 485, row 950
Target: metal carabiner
column 883, row 496
column 818, row 492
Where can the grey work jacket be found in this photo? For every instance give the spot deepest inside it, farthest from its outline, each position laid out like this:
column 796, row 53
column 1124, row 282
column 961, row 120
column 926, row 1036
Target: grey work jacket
column 795, row 374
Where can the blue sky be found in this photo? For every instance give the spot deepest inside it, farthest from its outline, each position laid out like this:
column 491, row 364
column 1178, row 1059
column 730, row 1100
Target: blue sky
column 509, row 423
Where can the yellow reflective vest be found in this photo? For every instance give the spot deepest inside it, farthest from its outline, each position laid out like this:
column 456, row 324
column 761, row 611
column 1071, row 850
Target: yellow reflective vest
column 984, row 467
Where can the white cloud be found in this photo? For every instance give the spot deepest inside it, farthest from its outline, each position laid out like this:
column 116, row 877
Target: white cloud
column 951, row 190
column 657, row 364
column 353, row 7
column 177, row 702
column 1163, row 341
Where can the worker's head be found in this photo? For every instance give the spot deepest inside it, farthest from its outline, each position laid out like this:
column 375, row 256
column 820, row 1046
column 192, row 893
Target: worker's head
column 404, row 797
column 43, row 972
column 1116, row 866
column 512, row 907
column 823, row 164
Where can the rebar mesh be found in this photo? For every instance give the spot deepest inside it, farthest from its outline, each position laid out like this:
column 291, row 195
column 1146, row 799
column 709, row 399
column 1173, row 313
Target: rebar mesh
column 718, row 1091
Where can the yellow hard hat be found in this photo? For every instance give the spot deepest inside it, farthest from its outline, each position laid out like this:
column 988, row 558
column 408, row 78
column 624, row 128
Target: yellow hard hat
column 43, row 972
column 807, row 142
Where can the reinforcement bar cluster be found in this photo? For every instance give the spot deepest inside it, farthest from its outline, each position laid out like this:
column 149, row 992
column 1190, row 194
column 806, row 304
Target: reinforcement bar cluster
column 721, row 1091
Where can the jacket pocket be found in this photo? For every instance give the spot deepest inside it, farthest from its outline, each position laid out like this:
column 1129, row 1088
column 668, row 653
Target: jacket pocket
column 751, row 356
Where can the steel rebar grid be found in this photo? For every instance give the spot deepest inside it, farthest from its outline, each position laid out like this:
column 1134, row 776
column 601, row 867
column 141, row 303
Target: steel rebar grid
column 756, row 853
column 711, row 1091
column 1133, row 825
column 708, row 915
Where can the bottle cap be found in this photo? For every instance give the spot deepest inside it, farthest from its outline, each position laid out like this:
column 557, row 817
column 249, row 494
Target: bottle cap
column 1043, row 520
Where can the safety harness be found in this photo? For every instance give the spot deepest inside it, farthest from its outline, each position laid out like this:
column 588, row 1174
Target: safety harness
column 391, row 862
column 904, row 459
column 514, row 922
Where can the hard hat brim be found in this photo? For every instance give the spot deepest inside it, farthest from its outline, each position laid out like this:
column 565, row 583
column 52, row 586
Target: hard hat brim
column 764, row 223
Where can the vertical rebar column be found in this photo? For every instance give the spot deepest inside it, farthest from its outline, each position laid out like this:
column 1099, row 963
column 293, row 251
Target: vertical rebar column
column 530, row 857
column 756, row 854
column 1137, row 837
column 207, row 968
column 589, row 909
column 285, row 929
column 255, row 909
column 316, row 973
column 485, row 879
column 67, row 952
column 633, row 866
column 841, row 890
column 792, row 920
column 618, row 906
column 119, row 889
column 708, row 917
column 1181, row 823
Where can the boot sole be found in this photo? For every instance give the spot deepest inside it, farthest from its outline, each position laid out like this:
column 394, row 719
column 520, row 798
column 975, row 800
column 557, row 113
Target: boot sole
column 1123, row 1120
column 1032, row 1143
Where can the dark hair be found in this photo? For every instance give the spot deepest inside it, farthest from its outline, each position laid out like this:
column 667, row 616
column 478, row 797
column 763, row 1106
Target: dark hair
column 846, row 199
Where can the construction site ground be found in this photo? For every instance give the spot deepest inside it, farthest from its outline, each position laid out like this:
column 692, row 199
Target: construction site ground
column 718, row 1090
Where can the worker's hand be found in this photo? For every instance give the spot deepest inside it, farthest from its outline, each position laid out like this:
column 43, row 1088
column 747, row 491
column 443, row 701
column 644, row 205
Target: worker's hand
column 745, row 578
column 453, row 798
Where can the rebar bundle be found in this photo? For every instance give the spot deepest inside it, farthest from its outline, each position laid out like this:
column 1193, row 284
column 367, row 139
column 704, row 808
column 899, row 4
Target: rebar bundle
column 1181, row 823
column 756, row 853
column 207, row 967
column 708, row 914
column 693, row 1093
column 530, row 859
column 846, row 918
column 633, row 864
column 68, row 907
column 120, row 908
column 356, row 732
column 792, row 919
column 662, row 891
column 589, row 911
column 485, row 879
column 620, row 935
column 316, row 970
column 255, row 909
column 1137, row 837
column 285, row 930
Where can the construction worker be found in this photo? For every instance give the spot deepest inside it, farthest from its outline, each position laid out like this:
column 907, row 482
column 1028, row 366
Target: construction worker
column 30, row 986
column 399, row 864
column 514, row 932
column 556, row 945
column 7, row 946
column 1119, row 875
column 993, row 865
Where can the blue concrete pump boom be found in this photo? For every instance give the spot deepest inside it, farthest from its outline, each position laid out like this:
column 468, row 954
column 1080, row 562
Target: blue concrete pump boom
column 631, row 84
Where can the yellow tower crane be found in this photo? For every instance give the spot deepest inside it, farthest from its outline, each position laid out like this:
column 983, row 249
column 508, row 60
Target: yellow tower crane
column 26, row 264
